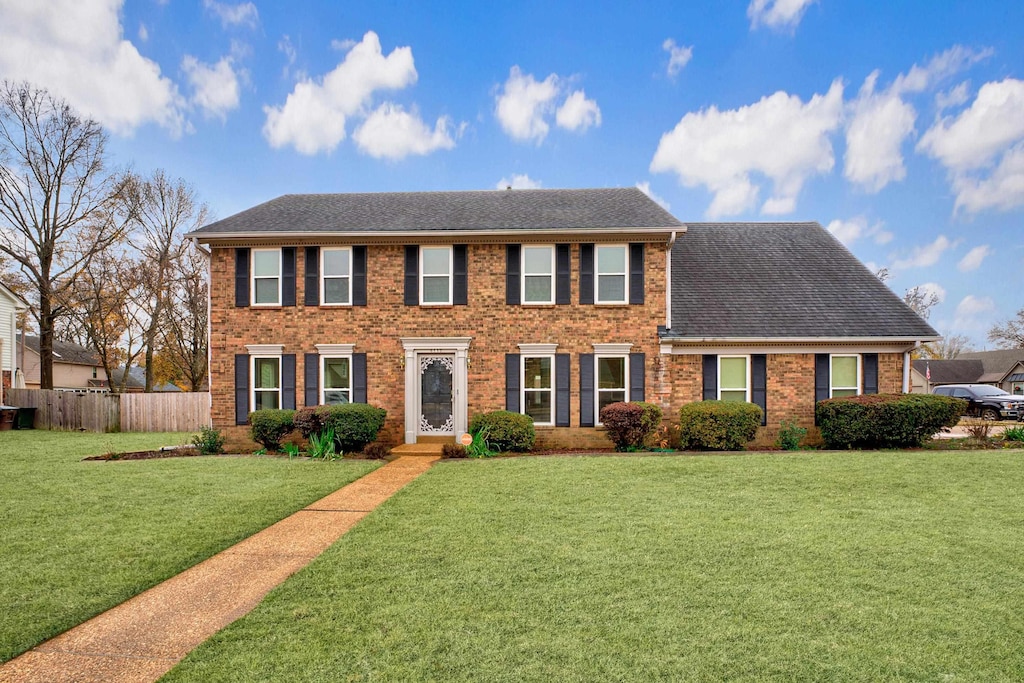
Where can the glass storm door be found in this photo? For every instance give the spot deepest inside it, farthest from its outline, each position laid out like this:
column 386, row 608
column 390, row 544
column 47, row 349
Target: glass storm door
column 436, row 395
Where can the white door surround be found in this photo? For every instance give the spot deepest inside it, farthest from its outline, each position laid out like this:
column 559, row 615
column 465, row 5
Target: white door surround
column 414, row 349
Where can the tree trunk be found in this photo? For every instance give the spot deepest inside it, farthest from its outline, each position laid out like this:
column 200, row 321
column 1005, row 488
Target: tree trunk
column 45, row 340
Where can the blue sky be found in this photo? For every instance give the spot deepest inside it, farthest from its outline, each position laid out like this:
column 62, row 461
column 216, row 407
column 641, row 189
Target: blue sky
column 899, row 126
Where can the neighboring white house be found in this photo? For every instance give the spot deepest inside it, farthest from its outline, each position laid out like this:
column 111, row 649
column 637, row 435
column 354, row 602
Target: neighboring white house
column 10, row 305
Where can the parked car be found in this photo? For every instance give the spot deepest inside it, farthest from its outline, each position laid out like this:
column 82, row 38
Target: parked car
column 986, row 401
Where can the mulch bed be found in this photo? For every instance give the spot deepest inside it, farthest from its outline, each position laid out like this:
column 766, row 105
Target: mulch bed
column 147, row 455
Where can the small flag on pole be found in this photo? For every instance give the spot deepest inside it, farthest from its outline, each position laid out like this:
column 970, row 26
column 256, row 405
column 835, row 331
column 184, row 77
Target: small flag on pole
column 927, row 372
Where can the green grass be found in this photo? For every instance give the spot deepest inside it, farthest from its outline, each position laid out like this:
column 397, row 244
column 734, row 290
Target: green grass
column 77, row 538
column 824, row 566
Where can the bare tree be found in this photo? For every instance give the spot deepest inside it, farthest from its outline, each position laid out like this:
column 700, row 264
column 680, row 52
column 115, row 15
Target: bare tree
column 948, row 348
column 103, row 306
column 920, row 300
column 185, row 339
column 162, row 210
column 55, row 200
column 1009, row 334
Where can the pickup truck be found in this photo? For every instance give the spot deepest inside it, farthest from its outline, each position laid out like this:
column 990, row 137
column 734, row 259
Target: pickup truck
column 986, row 401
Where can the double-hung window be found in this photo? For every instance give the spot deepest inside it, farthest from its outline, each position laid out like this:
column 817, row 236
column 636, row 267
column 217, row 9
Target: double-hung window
column 538, row 275
column 538, row 390
column 612, row 270
column 734, row 378
column 266, row 277
column 845, row 376
column 266, row 382
column 612, row 381
column 336, row 276
column 335, row 380
column 435, row 275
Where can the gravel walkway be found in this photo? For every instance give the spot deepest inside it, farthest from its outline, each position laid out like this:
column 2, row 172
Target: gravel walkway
column 143, row 638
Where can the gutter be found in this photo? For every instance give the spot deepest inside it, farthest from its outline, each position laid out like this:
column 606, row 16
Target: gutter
column 448, row 234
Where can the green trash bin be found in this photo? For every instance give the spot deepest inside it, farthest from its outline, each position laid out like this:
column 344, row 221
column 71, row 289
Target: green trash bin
column 26, row 418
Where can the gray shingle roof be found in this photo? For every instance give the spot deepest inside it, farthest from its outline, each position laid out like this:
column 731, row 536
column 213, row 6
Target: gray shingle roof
column 951, row 371
column 64, row 352
column 779, row 280
column 995, row 363
column 448, row 211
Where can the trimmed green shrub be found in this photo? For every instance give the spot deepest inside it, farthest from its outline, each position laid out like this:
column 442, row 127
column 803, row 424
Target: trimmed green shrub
column 209, row 441
column 789, row 436
column 718, row 425
column 354, row 424
column 885, row 420
column 630, row 425
column 268, row 427
column 308, row 422
column 506, row 431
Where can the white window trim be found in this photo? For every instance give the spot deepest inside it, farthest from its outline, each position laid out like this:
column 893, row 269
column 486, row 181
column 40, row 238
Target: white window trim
column 323, row 364
column 597, row 380
column 451, row 275
column 598, row 273
column 747, row 358
column 831, row 386
column 523, row 388
column 523, row 274
column 324, row 276
column 253, row 277
column 252, row 377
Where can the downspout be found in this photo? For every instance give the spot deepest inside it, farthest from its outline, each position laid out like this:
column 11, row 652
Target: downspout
column 668, row 281
column 906, row 369
column 209, row 350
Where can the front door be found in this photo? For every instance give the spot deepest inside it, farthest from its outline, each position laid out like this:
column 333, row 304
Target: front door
column 436, row 395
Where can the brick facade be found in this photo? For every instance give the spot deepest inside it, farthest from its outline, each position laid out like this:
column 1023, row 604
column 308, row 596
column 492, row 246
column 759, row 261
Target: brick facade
column 495, row 329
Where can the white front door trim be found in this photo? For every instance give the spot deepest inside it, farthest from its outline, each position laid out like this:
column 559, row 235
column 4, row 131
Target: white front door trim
column 413, row 348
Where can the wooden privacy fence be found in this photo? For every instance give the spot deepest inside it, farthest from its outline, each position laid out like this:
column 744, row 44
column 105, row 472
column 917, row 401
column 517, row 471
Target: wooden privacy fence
column 67, row 410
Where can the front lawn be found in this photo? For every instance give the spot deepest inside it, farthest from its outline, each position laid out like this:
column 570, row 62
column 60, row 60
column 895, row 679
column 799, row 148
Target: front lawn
column 77, row 538
column 815, row 566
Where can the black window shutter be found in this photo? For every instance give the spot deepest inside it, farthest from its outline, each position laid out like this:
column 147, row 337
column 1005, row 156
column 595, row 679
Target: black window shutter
column 288, row 381
column 822, row 372
column 412, row 275
column 586, row 273
column 586, row 389
column 512, row 382
column 563, row 280
column 359, row 276
column 636, row 273
column 241, row 388
column 759, row 384
column 636, row 377
column 287, row 276
column 460, row 266
column 561, row 390
column 710, row 377
column 311, row 366
column 242, row 279
column 311, row 295
column 512, row 256
column 359, row 378
column 869, row 363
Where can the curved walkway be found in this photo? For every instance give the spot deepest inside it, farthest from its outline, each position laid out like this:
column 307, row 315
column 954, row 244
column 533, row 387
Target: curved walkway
column 143, row 638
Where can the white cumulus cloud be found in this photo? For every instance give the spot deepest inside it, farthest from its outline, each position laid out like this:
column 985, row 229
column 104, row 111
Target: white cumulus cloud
column 215, row 86
column 76, row 49
column 390, row 132
column 849, row 231
column 933, row 289
column 518, row 181
column 777, row 14
column 315, row 113
column 927, row 255
column 983, row 148
column 678, row 56
column 972, row 311
column 779, row 137
column 972, row 259
column 645, row 187
column 578, row 113
column 524, row 103
column 240, row 14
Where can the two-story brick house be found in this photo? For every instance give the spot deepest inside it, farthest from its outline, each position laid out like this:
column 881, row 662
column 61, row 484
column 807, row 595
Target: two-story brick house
column 437, row 306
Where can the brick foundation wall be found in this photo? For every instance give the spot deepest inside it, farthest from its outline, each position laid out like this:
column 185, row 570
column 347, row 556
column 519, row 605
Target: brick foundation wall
column 496, row 329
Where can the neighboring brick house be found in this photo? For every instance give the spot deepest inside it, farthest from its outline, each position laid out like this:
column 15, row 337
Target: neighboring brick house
column 438, row 306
